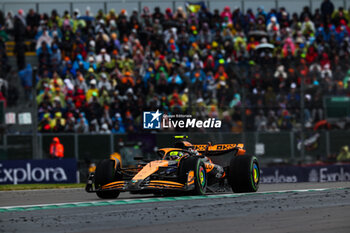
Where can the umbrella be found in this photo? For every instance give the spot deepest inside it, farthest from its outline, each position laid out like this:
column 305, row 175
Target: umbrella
column 86, row 18
column 321, row 125
column 258, row 33
column 265, row 46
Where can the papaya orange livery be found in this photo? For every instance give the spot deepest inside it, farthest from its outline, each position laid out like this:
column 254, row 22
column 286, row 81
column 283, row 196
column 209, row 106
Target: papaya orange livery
column 149, row 169
column 209, row 167
column 184, row 167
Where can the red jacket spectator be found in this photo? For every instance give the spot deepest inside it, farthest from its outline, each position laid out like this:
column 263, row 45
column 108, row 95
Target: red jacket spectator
column 221, row 74
column 2, row 98
column 226, row 15
column 311, row 55
column 325, row 60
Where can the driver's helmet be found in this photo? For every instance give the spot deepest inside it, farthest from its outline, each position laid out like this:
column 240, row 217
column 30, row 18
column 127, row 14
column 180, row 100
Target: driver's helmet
column 175, row 155
column 193, row 150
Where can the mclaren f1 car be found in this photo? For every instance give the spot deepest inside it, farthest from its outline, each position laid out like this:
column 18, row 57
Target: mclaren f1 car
column 194, row 169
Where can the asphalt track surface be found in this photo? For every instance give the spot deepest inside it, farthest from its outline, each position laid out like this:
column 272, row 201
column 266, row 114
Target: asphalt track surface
column 306, row 207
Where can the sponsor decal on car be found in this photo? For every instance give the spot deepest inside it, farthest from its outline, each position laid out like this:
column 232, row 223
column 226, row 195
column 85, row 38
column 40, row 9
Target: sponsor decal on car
column 190, row 178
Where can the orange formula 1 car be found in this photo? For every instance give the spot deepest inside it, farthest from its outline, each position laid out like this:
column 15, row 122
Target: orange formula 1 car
column 185, row 168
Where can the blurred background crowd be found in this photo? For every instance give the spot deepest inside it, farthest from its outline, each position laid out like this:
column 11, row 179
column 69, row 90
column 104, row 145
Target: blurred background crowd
column 98, row 73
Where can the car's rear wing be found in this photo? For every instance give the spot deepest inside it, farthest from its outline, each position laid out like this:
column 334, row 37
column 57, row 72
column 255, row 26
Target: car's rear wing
column 220, row 154
column 219, row 149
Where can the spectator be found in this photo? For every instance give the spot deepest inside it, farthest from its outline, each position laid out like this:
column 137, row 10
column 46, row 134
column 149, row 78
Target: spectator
column 9, row 23
column 56, row 58
column 81, row 125
column 32, row 21
column 93, row 91
column 327, row 8
column 56, row 149
column 104, row 129
column 206, row 62
column 344, row 154
column 307, row 26
column 44, row 124
column 58, row 123
column 103, row 57
column 104, row 83
column 2, row 18
column 19, row 33
column 70, row 124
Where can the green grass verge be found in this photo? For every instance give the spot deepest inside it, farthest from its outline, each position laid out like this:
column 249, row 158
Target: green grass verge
column 9, row 187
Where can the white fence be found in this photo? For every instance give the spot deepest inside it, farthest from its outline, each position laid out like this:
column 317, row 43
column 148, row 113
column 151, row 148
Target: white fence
column 61, row 5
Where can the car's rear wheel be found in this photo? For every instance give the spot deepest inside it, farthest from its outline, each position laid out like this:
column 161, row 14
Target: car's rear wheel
column 200, row 176
column 244, row 174
column 104, row 174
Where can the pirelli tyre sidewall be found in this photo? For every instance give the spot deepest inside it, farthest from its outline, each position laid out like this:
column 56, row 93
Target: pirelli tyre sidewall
column 201, row 178
column 197, row 165
column 104, row 174
column 244, row 174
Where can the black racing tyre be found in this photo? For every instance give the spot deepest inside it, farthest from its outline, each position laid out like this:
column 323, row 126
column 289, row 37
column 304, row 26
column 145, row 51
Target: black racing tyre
column 195, row 164
column 244, row 174
column 104, row 174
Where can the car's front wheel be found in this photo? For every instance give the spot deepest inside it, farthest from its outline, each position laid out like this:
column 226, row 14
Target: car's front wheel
column 200, row 176
column 104, row 174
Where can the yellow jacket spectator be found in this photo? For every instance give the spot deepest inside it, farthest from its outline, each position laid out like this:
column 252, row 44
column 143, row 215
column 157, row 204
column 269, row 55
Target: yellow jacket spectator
column 104, row 98
column 58, row 123
column 194, row 49
column 126, row 64
column 184, row 97
column 239, row 43
column 93, row 91
column 344, row 154
column 90, row 74
column 43, row 83
column 56, row 81
column 58, row 96
column 77, row 23
column 44, row 124
column 111, row 15
column 44, row 95
column 341, row 13
column 66, row 21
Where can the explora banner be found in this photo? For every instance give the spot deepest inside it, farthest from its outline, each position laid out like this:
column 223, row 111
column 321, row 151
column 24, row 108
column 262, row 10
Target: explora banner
column 294, row 174
column 38, row 171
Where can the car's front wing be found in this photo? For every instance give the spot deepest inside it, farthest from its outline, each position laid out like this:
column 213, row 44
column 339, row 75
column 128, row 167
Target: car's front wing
column 139, row 185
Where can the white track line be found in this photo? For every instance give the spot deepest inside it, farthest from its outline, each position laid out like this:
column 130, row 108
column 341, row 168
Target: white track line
column 142, row 199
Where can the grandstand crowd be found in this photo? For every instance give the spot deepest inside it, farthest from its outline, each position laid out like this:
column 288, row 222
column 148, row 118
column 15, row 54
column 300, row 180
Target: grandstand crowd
column 98, row 73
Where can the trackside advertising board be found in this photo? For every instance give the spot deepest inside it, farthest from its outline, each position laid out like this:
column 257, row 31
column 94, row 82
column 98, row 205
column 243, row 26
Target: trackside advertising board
column 294, row 174
column 38, row 171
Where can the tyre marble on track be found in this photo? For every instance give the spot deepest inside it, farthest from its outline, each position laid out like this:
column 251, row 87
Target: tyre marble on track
column 319, row 211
